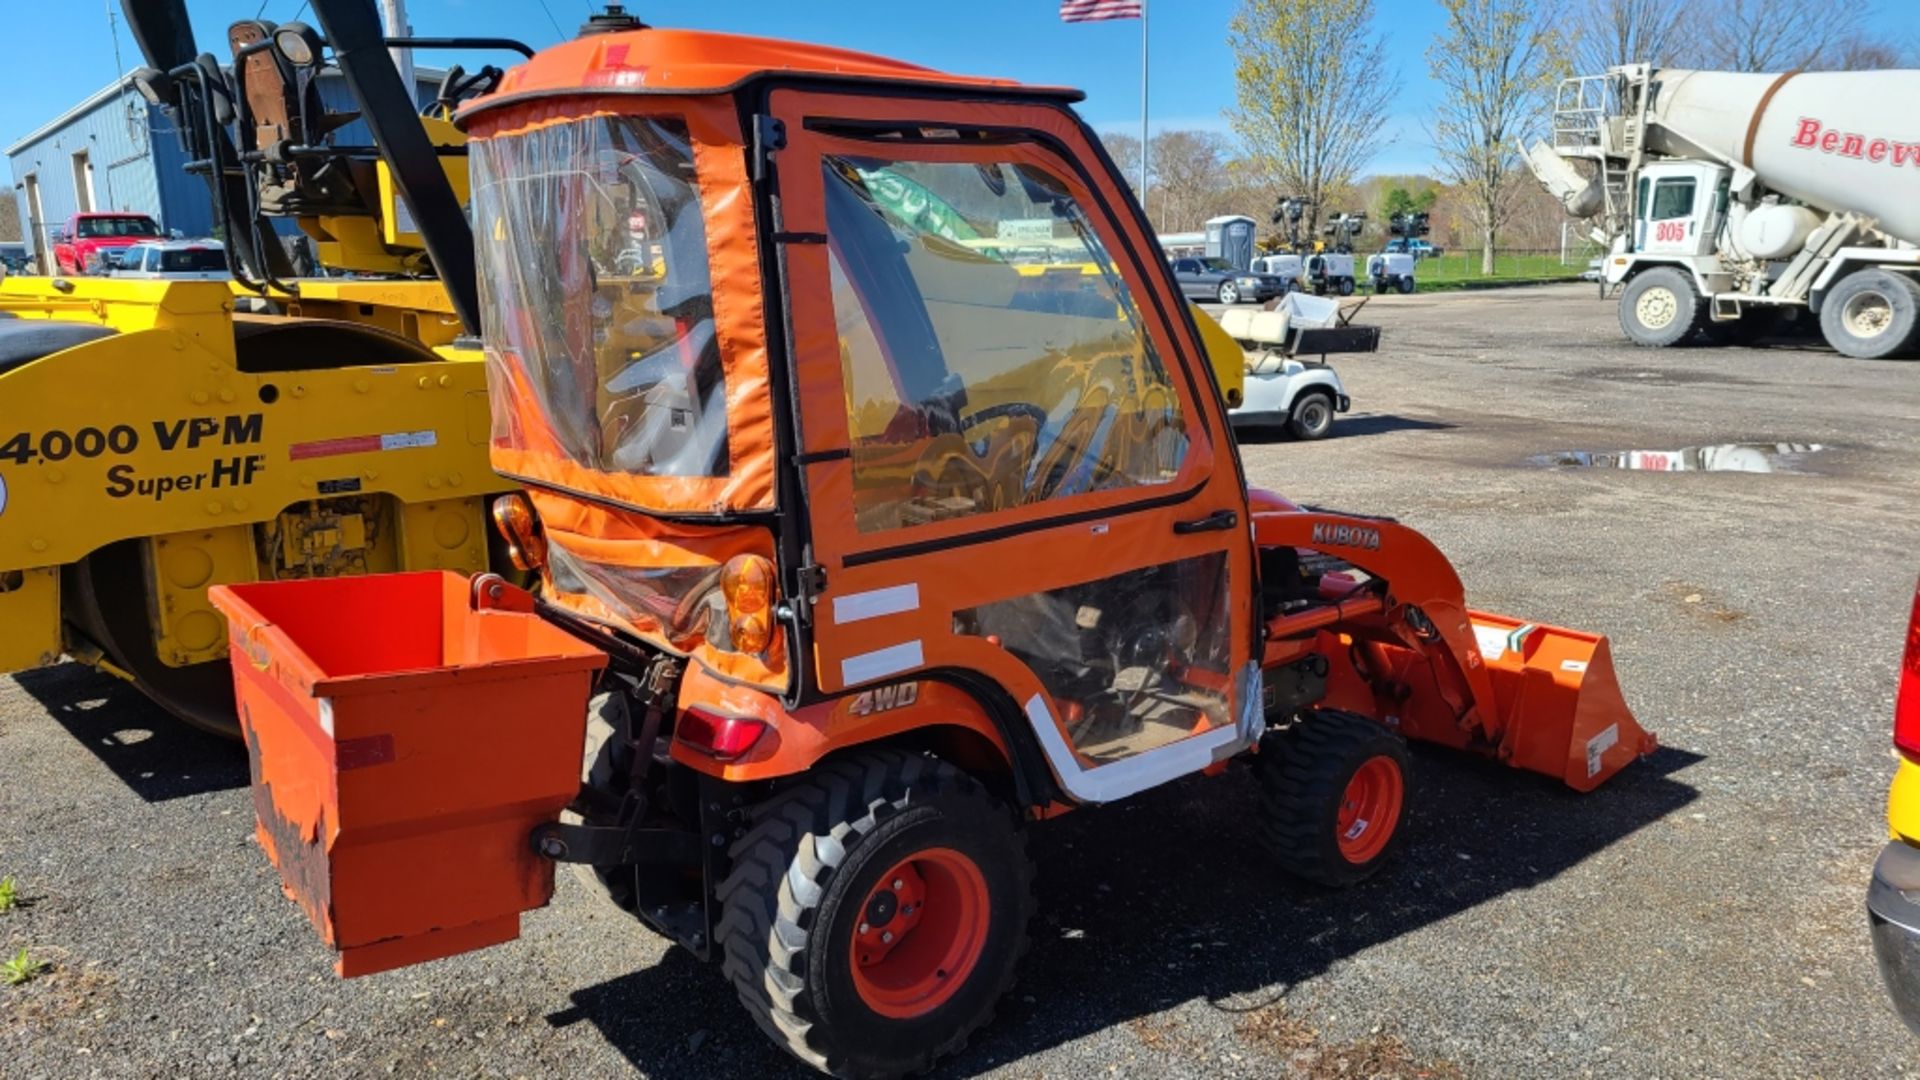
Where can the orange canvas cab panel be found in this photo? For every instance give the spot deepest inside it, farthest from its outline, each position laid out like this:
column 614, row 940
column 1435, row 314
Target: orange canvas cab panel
column 405, row 738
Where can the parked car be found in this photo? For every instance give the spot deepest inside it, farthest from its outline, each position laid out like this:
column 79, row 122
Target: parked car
column 178, row 260
column 1893, row 896
column 1419, row 249
column 92, row 243
column 1217, row 279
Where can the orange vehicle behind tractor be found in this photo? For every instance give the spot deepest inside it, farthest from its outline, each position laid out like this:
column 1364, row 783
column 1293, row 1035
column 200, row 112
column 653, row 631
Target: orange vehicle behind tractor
column 878, row 529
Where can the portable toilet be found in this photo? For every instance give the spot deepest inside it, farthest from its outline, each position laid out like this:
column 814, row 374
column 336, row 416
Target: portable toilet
column 1231, row 238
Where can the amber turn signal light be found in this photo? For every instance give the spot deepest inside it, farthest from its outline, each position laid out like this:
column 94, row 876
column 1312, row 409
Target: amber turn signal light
column 514, row 518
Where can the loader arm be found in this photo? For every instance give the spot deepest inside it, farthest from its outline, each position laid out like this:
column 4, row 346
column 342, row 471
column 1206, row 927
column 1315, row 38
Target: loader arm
column 1410, row 651
column 1423, row 605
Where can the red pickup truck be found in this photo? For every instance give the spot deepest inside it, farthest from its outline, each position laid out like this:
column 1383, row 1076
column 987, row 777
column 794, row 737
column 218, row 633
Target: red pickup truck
column 89, row 241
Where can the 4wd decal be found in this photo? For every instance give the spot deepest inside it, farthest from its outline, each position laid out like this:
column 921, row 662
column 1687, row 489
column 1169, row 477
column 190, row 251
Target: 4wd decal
column 868, row 702
column 1358, row 536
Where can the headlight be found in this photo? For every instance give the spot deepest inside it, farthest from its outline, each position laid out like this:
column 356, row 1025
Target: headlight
column 1250, row 282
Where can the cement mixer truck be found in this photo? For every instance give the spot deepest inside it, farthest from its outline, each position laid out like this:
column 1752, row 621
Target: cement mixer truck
column 1729, row 200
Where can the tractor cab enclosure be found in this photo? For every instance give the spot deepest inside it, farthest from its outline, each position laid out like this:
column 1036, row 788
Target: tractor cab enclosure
column 812, row 386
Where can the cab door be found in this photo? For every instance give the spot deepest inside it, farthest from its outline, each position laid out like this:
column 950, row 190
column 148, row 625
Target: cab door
column 1017, row 473
column 1675, row 211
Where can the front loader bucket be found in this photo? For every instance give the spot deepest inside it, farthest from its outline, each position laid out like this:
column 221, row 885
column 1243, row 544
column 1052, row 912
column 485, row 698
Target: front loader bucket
column 1558, row 705
column 405, row 742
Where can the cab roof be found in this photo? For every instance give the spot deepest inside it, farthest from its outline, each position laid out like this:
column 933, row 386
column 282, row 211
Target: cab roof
column 655, row 61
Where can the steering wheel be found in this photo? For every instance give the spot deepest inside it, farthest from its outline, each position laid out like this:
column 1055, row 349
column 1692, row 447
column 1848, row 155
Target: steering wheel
column 1009, row 409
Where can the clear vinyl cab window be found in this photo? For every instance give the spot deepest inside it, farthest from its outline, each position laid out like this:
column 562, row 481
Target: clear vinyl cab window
column 992, row 354
column 596, row 297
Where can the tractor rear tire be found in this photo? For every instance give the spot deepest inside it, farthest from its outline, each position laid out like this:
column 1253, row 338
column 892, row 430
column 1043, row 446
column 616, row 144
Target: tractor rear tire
column 1872, row 315
column 607, row 767
column 1333, row 796
column 881, row 839
column 1660, row 307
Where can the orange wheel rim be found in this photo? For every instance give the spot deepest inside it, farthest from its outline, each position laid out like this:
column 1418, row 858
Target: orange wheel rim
column 921, row 930
column 1370, row 809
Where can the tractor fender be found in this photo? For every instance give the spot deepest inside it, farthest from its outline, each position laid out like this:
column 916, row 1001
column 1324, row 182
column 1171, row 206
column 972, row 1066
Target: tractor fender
column 958, row 715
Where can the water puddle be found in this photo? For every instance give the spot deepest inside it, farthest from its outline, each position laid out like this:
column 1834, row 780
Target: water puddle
column 1722, row 457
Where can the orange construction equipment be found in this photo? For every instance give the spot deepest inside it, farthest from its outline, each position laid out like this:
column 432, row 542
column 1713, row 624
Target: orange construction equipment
column 891, row 543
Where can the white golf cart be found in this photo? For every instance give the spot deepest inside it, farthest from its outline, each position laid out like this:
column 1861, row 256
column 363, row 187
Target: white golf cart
column 1289, row 383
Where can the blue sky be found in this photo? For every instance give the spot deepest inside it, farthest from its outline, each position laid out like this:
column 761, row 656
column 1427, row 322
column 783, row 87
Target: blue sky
column 1192, row 70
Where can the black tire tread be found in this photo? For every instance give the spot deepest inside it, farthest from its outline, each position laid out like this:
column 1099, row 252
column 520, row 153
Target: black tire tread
column 1685, row 292
column 782, row 867
column 1831, row 330
column 1301, row 770
column 604, row 767
column 1299, row 429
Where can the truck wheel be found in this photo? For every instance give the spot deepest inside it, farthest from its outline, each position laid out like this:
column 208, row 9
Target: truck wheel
column 1379, row 286
column 875, row 913
column 1406, row 286
column 1229, row 294
column 1871, row 314
column 1660, row 308
column 1311, row 416
column 1333, row 796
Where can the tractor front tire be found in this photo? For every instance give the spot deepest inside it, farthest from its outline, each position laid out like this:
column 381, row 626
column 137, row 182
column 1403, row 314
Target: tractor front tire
column 875, row 913
column 1660, row 307
column 1333, row 796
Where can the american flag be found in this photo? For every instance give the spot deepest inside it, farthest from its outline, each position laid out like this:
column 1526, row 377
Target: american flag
column 1100, row 10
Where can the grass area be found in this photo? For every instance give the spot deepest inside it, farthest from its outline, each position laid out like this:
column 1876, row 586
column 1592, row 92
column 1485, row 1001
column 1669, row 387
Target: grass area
column 1463, row 267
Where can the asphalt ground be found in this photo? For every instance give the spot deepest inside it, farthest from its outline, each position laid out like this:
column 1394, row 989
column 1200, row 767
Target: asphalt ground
column 1701, row 915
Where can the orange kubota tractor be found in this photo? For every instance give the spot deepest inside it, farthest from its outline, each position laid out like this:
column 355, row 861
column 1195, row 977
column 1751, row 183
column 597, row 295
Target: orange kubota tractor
column 882, row 542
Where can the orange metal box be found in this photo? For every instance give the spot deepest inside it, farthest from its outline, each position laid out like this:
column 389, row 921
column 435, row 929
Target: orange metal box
column 404, row 742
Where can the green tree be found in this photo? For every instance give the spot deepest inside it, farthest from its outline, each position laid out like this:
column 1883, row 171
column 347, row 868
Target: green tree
column 1497, row 62
column 1312, row 84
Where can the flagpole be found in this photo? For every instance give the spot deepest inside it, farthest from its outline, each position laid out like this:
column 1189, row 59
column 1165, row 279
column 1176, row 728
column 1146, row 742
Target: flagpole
column 1143, row 104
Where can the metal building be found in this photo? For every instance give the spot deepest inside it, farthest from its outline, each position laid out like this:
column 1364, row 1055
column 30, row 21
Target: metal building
column 113, row 152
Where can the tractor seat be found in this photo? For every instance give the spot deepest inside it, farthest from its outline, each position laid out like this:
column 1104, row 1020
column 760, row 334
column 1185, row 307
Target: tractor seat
column 22, row 341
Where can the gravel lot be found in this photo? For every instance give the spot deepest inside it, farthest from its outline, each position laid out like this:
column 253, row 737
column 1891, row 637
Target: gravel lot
column 1700, row 915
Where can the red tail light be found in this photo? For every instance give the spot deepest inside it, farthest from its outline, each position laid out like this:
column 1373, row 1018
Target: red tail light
column 1906, row 702
column 723, row 737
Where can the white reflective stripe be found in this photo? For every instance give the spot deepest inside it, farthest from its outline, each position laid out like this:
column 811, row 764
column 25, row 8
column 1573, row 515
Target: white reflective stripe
column 1120, row 779
column 891, row 600
column 880, row 663
column 326, row 715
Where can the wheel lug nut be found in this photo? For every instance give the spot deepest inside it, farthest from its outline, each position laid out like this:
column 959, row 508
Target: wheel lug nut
column 864, row 928
column 887, row 936
column 898, row 884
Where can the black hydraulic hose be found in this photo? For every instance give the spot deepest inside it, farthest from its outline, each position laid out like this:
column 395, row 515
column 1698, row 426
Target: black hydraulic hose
column 388, row 107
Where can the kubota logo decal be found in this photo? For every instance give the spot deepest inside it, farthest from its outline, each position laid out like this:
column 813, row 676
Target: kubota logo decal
column 1812, row 134
column 1347, row 536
